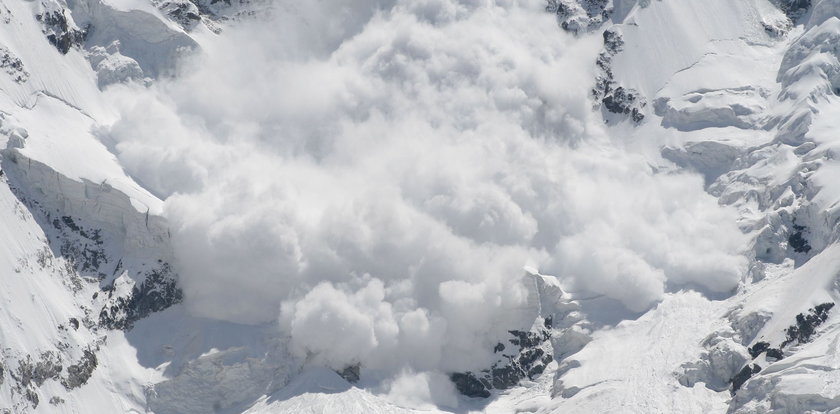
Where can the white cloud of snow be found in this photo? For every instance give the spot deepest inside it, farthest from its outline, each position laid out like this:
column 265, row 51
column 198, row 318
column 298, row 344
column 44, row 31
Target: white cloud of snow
column 383, row 177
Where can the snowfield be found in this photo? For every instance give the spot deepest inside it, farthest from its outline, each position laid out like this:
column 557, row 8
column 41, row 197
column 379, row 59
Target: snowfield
column 419, row 206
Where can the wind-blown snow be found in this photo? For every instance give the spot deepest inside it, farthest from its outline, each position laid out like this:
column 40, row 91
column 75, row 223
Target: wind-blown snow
column 385, row 184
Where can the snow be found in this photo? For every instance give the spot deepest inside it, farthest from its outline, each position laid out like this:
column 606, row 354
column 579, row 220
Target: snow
column 752, row 110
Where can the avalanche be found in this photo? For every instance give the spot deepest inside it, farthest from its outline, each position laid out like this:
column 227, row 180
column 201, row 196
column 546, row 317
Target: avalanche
column 382, row 206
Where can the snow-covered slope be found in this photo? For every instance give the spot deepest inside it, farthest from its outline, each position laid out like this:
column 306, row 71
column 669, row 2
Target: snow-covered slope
column 282, row 207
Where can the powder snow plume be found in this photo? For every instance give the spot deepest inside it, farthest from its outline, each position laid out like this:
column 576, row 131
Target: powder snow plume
column 379, row 174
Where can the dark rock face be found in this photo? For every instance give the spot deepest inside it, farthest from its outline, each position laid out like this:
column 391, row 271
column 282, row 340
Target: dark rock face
column 60, row 30
column 351, row 373
column 157, row 292
column 469, row 385
column 764, row 347
column 82, row 247
column 13, row 66
column 741, row 377
column 47, row 366
column 797, row 240
column 33, row 372
column 528, row 360
column 802, row 332
column 576, row 16
column 79, row 373
column 775, row 354
column 183, row 12
column 758, row 348
column 794, row 9
column 806, row 324
column 613, row 98
column 624, row 101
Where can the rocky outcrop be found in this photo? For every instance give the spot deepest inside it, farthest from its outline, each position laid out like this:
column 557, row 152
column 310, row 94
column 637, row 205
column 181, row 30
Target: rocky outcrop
column 13, row 66
column 794, row 9
column 799, row 333
column 157, row 291
column 806, row 324
column 183, row 12
column 616, row 101
column 579, row 16
column 525, row 356
column 79, row 373
column 59, row 27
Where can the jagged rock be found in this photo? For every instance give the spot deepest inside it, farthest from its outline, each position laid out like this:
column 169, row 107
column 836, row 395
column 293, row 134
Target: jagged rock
column 29, row 372
column 758, row 348
column 74, row 323
column 157, row 292
column 624, row 101
column 745, row 374
column 59, row 26
column 56, row 400
column 79, row 373
column 13, row 66
column 577, row 16
column 794, row 9
column 613, row 98
column 467, row 384
column 775, row 354
column 529, row 361
column 777, row 28
column 806, row 324
column 183, row 12
column 350, row 373
column 797, row 241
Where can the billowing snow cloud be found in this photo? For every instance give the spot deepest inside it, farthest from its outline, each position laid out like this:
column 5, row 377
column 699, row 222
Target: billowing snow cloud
column 378, row 175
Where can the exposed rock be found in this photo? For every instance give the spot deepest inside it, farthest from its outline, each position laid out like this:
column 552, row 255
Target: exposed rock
column 29, row 372
column 59, row 26
column 13, row 66
column 350, row 373
column 183, row 12
column 745, row 374
column 157, row 292
column 775, row 353
column 806, row 324
column 529, row 361
column 764, row 347
column 79, row 373
column 467, row 384
column 794, row 9
column 613, row 98
column 758, row 348
column 56, row 400
column 577, row 16
column 797, row 241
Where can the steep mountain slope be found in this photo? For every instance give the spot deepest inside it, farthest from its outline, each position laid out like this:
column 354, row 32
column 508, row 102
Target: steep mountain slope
column 671, row 164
